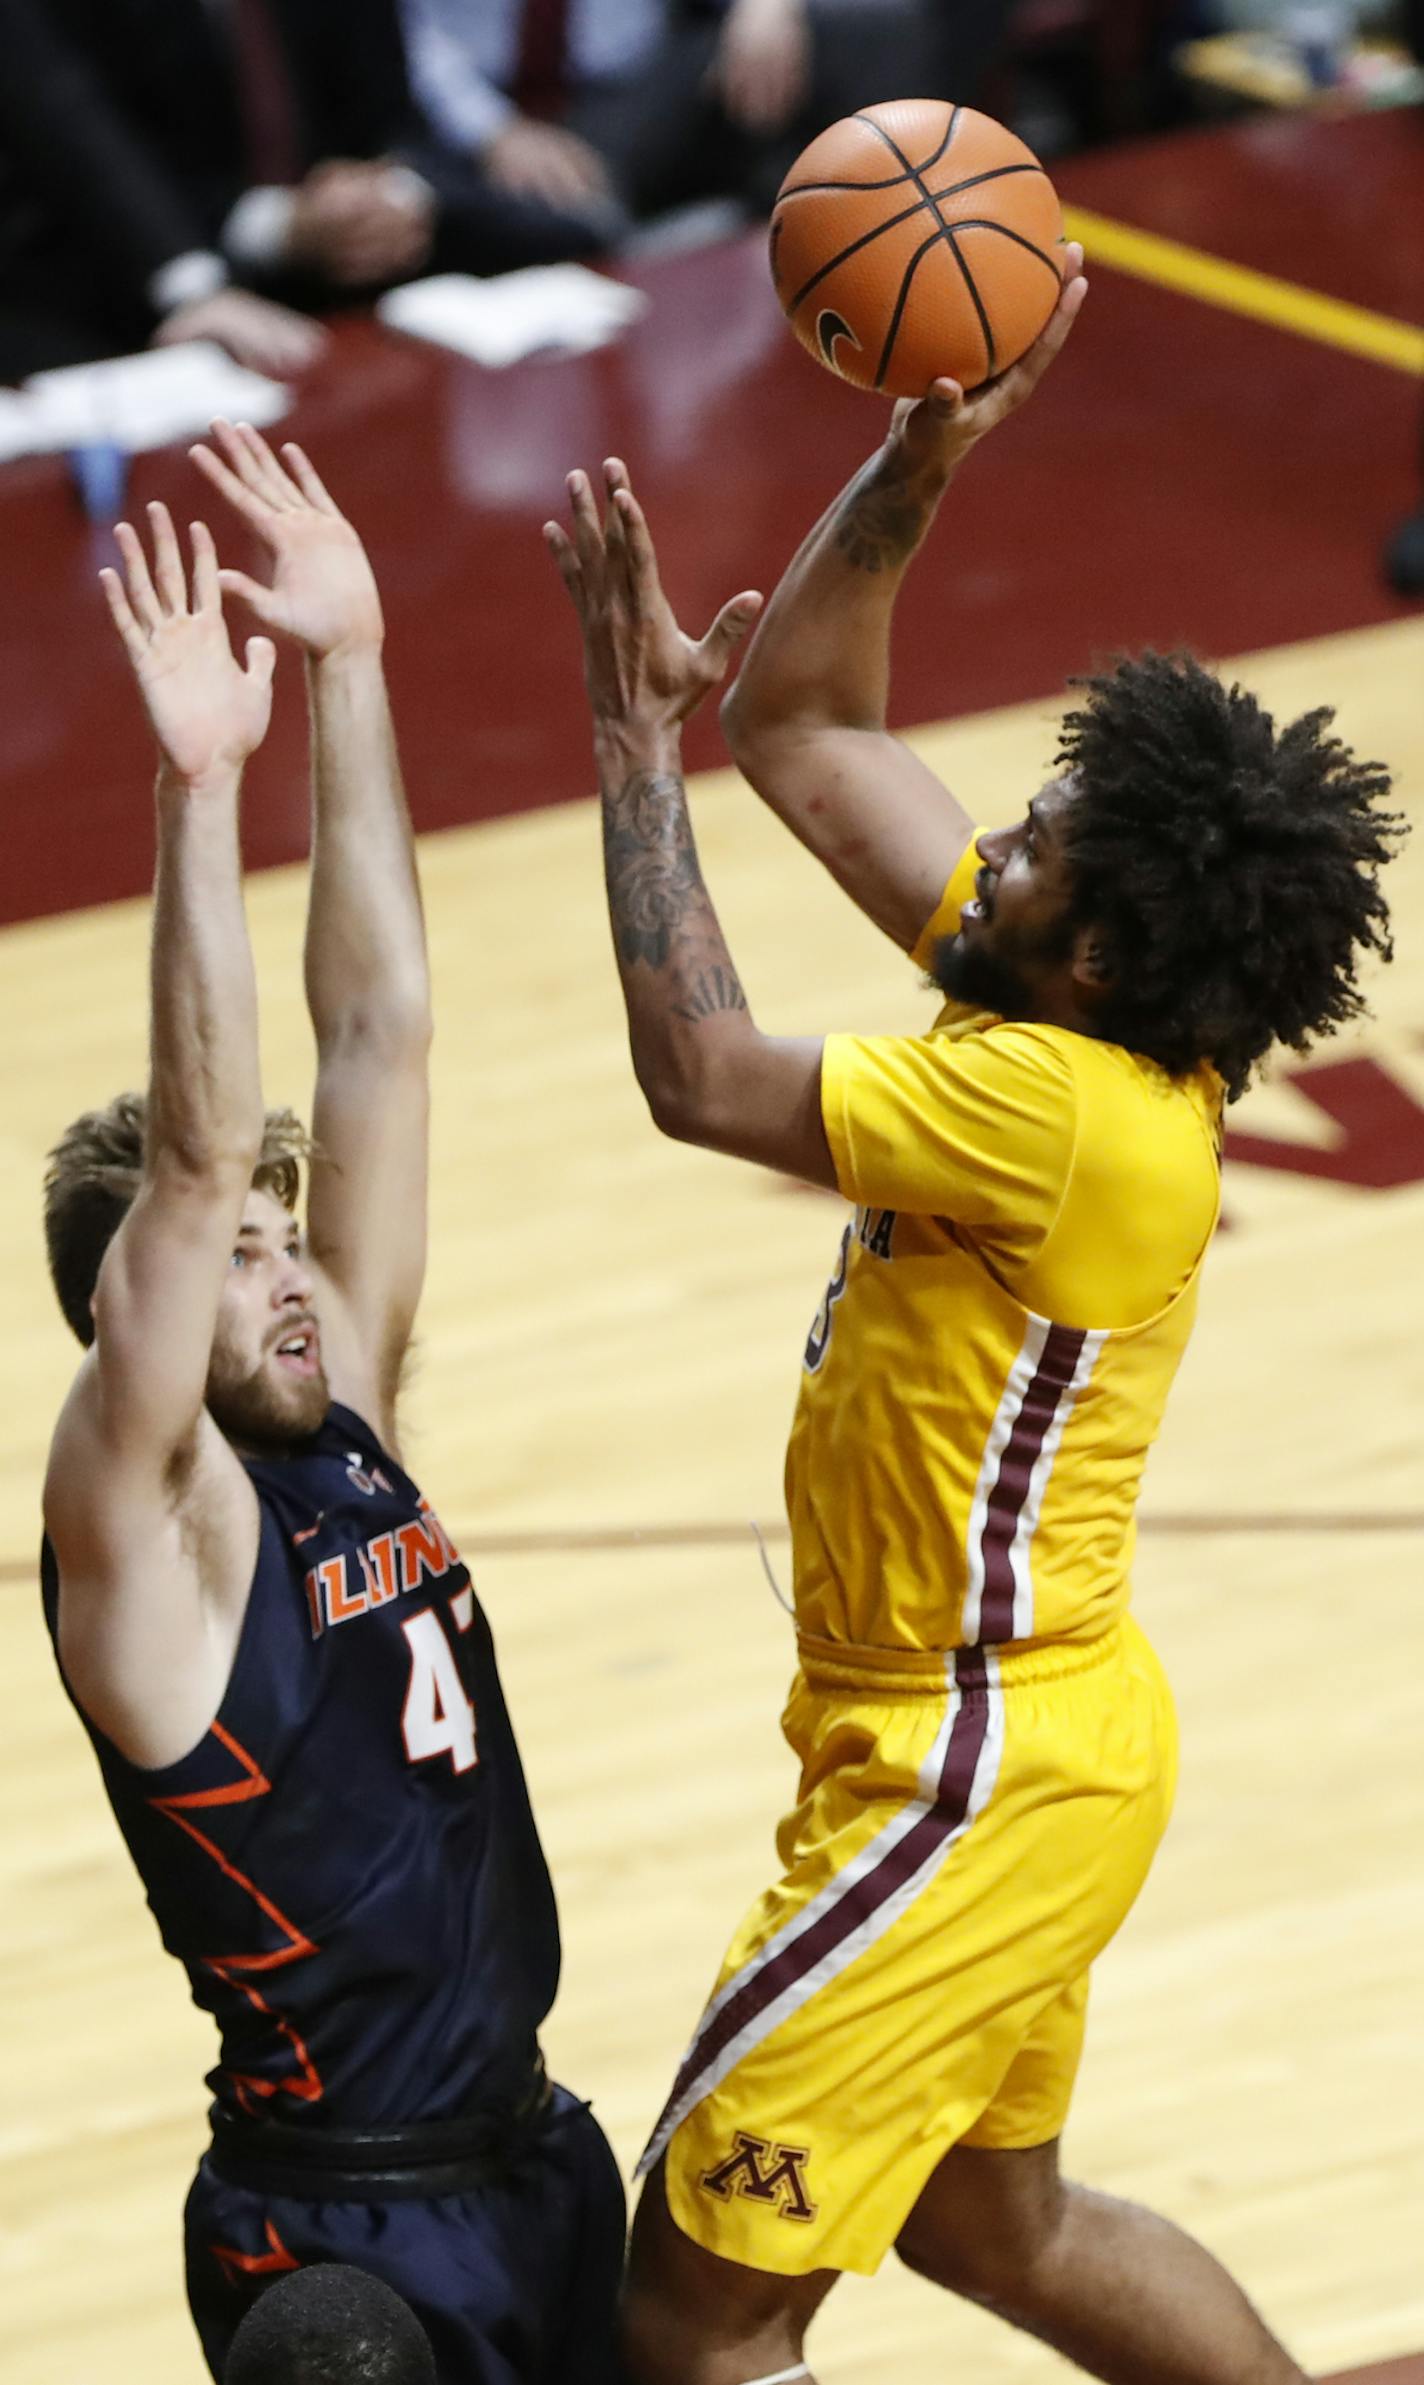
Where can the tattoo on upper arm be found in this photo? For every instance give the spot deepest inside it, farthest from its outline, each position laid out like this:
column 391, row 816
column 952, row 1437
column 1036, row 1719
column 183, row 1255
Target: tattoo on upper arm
column 879, row 528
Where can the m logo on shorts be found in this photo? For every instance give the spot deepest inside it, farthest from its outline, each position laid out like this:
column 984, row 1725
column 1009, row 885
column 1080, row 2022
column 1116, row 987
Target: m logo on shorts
column 764, row 2173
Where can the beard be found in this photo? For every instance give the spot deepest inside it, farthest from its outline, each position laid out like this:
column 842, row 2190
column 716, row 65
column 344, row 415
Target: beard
column 253, row 1411
column 1003, row 969
column 980, row 979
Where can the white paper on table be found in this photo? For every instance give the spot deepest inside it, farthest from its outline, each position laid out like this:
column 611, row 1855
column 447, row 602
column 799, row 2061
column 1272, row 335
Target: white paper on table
column 15, row 425
column 136, row 402
column 541, row 307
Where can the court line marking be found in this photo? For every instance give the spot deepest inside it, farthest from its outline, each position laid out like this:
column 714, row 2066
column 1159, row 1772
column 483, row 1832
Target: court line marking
column 1242, row 290
column 579, row 1539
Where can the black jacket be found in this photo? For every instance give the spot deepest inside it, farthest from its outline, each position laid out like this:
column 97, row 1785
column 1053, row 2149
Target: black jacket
column 121, row 136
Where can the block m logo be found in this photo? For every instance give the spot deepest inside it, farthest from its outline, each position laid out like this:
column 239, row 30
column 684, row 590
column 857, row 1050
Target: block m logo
column 764, row 2173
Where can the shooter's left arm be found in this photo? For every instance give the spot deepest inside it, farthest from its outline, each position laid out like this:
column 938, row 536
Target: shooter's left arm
column 709, row 1074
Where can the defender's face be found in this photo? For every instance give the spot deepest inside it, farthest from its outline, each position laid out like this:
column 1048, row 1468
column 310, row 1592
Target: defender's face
column 1015, row 932
column 266, row 1383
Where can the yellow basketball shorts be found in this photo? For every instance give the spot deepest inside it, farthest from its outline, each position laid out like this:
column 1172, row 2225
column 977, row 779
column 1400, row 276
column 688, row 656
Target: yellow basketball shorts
column 971, row 1830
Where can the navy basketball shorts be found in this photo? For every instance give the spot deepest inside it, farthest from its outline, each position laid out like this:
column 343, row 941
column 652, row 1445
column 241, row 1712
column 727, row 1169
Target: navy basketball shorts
column 515, row 2281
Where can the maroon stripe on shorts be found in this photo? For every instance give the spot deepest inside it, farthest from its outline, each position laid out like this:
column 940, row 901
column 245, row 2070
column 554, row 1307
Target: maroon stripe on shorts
column 865, row 1896
column 1060, row 1355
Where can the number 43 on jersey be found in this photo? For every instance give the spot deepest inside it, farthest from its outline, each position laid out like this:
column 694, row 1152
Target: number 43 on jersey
column 438, row 1718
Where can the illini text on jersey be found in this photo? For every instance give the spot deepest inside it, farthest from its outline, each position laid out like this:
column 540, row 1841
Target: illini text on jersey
column 389, row 1566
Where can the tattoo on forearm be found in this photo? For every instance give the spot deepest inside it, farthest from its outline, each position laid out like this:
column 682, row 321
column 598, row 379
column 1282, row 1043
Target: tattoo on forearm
column 661, row 911
column 715, row 989
column 879, row 528
column 651, row 865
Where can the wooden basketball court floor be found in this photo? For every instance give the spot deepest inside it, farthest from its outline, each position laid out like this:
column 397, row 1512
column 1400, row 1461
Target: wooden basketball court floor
column 607, row 1364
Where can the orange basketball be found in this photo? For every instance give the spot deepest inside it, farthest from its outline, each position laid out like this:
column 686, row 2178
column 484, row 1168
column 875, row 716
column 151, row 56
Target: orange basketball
column 913, row 239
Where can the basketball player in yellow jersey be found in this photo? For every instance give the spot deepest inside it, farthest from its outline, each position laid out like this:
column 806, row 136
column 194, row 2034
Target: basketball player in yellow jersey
column 986, row 1744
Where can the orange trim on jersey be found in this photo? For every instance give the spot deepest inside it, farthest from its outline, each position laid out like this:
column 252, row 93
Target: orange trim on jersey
column 238, row 1793
column 307, row 2085
column 240, row 2264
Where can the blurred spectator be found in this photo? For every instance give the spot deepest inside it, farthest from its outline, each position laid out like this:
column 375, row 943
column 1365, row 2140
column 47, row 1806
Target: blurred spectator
column 184, row 169
column 155, row 155
column 569, row 109
column 330, row 2325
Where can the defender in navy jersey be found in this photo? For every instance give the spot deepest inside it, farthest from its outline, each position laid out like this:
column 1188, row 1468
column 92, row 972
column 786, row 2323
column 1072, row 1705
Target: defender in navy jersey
column 273, row 1644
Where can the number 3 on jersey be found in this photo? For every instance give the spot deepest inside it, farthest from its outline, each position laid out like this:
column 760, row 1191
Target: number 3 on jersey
column 437, row 1718
column 818, row 1341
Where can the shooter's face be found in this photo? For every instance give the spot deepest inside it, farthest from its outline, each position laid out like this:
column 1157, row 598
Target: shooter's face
column 1015, row 941
column 266, row 1384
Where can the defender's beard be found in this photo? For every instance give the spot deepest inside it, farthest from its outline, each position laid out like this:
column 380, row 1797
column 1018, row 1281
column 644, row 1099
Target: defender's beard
column 258, row 1409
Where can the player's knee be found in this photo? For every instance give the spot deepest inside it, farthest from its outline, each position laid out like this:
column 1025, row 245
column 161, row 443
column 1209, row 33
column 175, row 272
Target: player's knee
column 987, row 2236
column 691, row 2318
column 655, row 2351
column 666, row 2343
column 977, row 2271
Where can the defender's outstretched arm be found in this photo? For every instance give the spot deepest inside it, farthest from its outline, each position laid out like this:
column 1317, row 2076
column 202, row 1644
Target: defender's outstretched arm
column 130, row 1430
column 806, row 719
column 367, row 974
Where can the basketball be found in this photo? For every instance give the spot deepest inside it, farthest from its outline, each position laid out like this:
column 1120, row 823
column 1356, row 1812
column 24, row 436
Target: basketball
column 913, row 239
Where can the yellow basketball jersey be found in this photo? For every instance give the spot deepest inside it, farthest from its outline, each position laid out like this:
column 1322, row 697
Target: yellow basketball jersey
column 990, row 1364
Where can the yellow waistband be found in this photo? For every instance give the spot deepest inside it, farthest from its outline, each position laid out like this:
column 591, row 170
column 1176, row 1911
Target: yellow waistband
column 925, row 1672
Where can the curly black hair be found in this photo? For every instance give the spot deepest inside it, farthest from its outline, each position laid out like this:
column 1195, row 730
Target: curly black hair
column 1232, row 867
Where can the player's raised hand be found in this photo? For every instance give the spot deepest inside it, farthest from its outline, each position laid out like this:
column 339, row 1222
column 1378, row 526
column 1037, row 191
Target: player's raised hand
column 323, row 591
column 935, row 432
column 641, row 670
column 208, row 711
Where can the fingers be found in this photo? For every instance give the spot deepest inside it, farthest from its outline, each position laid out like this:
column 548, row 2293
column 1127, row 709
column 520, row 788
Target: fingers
column 1023, row 378
column 254, row 509
column 143, row 601
column 308, row 479
column 252, row 593
column 258, row 463
column 567, row 562
column 1001, row 397
column 253, row 461
column 261, row 661
column 632, row 523
column 207, row 590
column 588, row 538
column 140, row 589
column 121, row 613
column 1073, row 291
column 942, row 402
column 168, row 569
column 248, row 475
column 729, row 628
column 616, row 556
column 944, row 397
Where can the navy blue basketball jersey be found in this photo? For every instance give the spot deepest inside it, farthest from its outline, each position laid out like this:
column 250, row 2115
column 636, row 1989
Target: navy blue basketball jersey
column 346, row 1863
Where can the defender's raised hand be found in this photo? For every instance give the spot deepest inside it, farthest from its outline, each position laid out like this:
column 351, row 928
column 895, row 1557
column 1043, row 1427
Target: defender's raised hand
column 323, row 591
column 208, row 711
column 641, row 670
column 935, row 432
